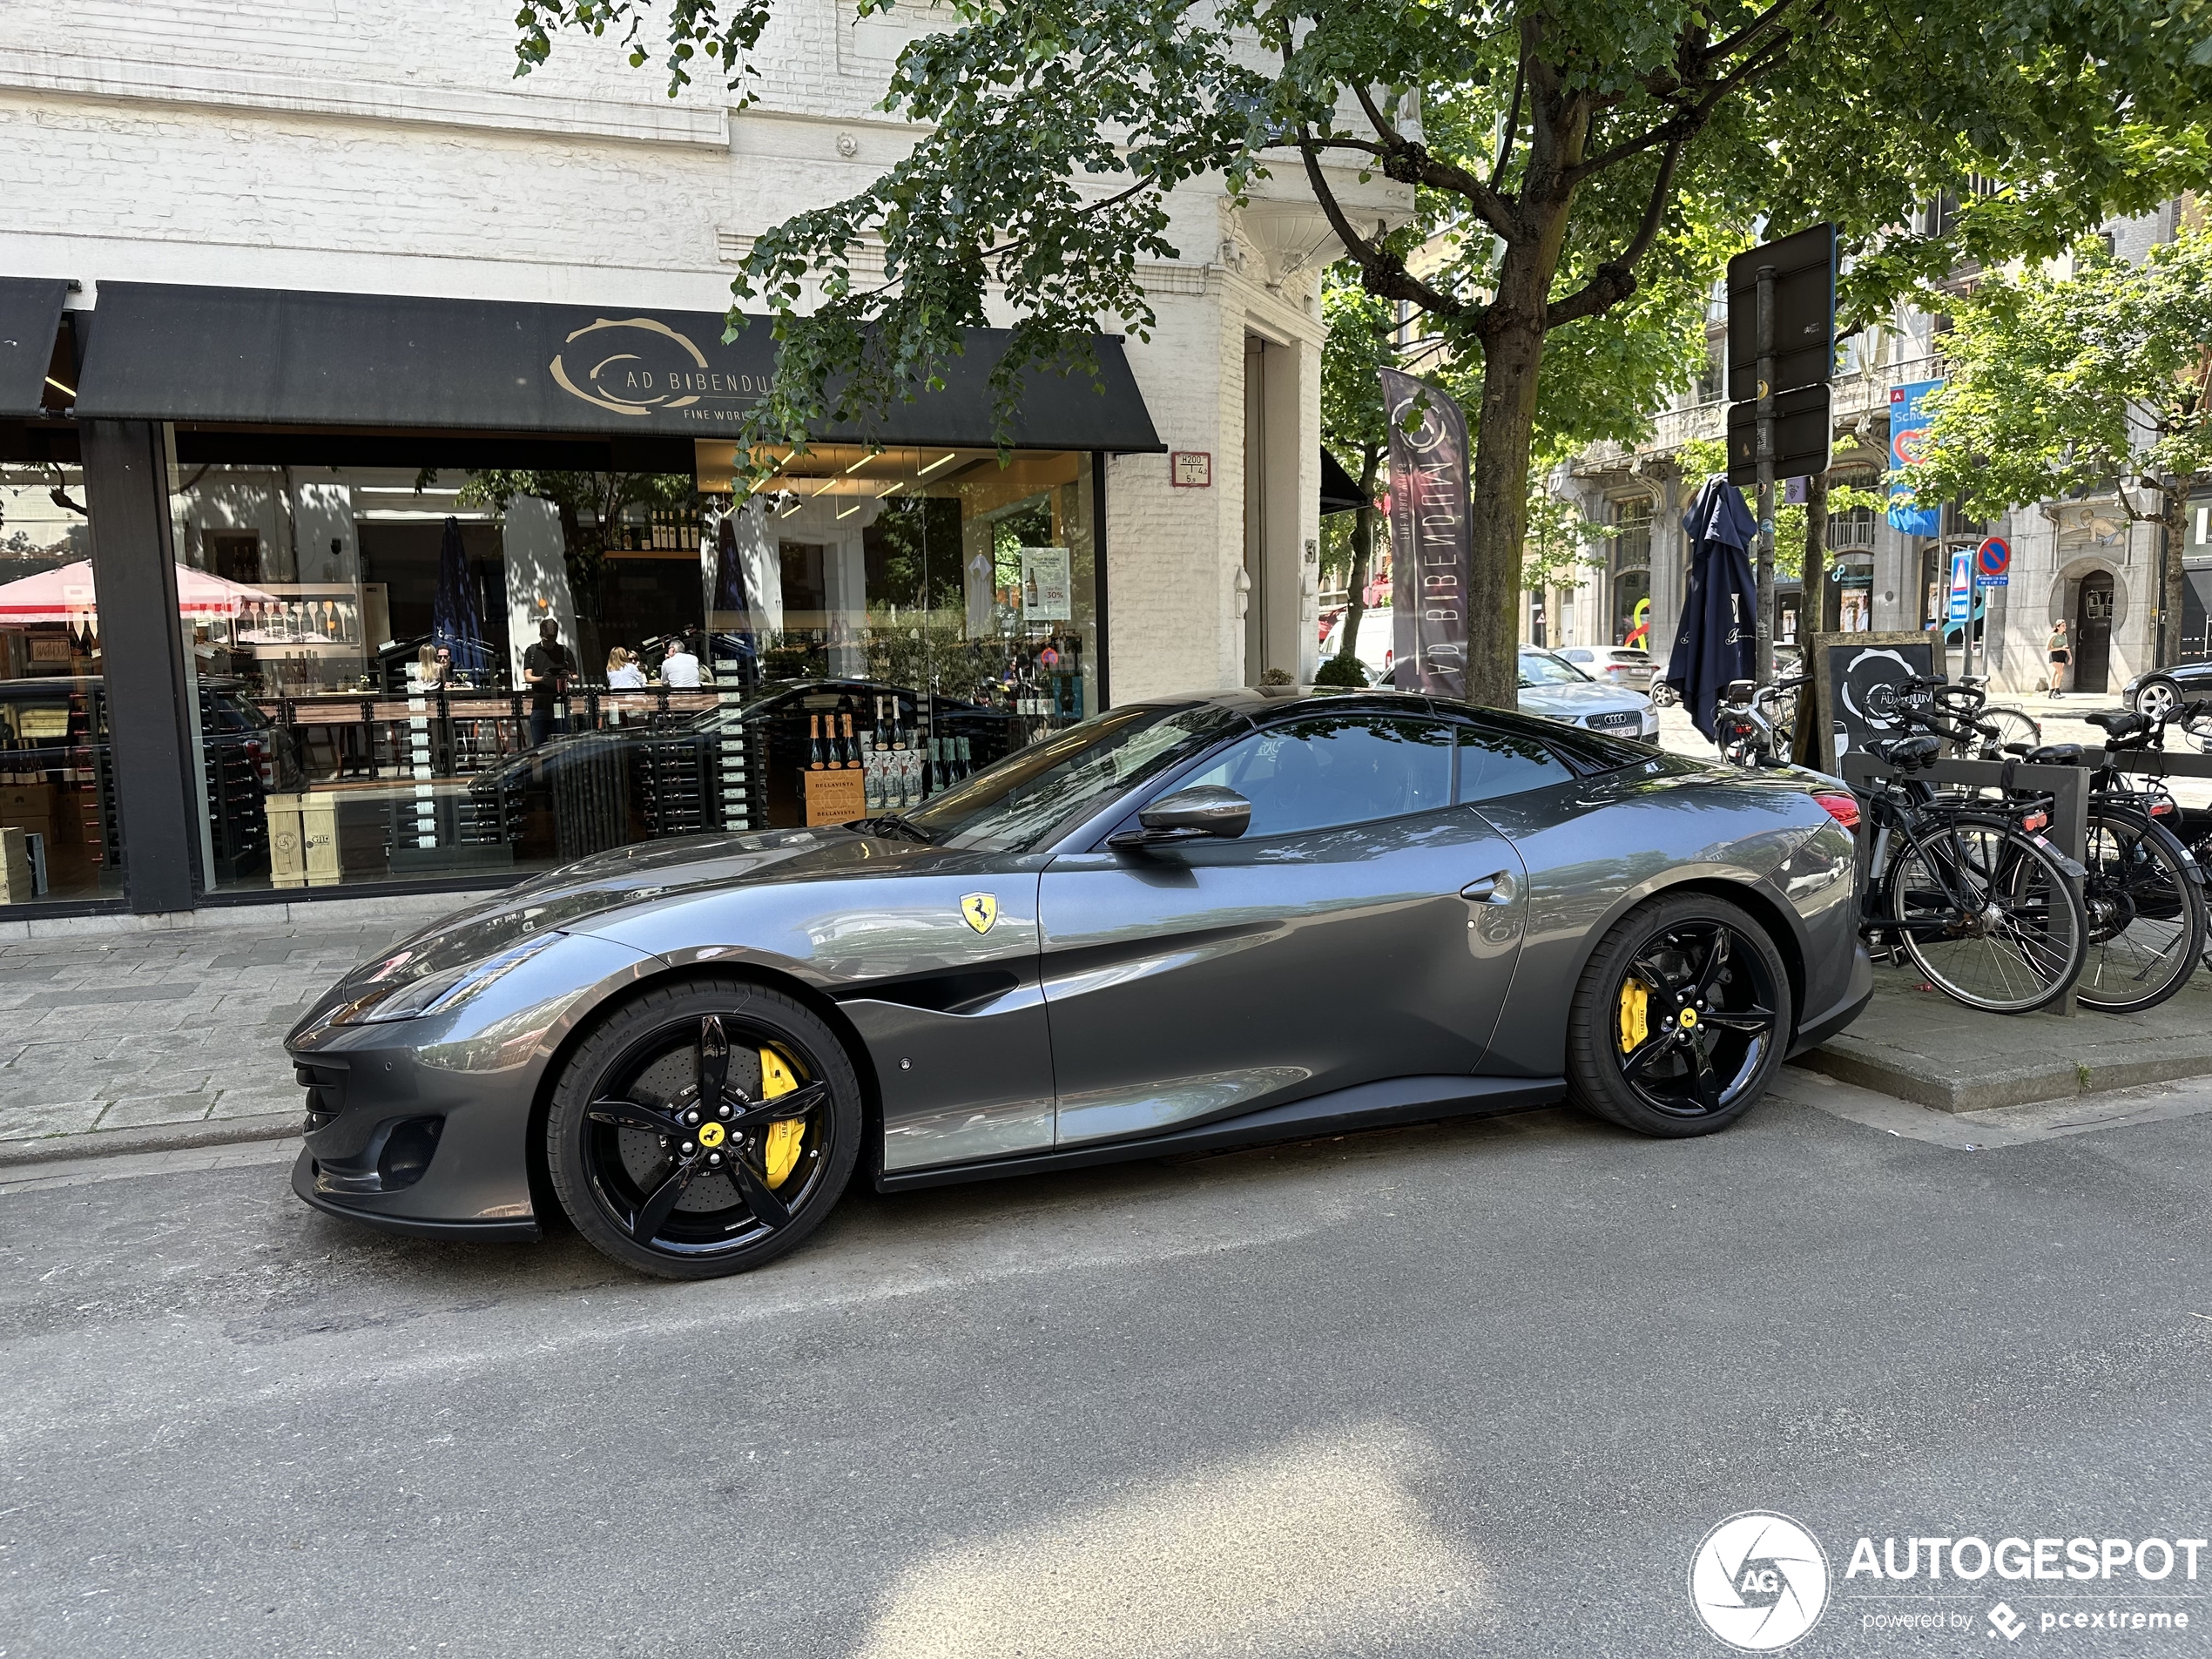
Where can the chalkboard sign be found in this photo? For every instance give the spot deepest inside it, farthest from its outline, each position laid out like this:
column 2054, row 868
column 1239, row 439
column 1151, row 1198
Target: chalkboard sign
column 1859, row 684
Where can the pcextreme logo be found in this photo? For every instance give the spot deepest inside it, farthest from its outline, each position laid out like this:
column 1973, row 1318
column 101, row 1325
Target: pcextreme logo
column 1759, row 1581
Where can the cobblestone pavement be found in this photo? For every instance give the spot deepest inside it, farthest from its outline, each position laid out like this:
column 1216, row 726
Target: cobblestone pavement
column 173, row 1029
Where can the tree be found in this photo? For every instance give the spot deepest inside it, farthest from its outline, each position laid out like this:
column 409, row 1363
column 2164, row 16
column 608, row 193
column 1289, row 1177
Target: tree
column 2085, row 376
column 1571, row 147
column 1360, row 346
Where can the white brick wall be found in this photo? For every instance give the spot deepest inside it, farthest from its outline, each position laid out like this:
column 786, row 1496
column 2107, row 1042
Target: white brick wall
column 383, row 146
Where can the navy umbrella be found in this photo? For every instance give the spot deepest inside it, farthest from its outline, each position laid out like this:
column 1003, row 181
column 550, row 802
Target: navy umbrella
column 1717, row 640
column 457, row 614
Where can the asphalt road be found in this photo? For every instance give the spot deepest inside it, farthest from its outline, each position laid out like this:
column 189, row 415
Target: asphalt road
column 1455, row 1390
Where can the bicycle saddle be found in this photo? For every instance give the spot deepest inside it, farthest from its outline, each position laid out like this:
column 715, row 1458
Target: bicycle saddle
column 2051, row 755
column 2117, row 722
column 1908, row 754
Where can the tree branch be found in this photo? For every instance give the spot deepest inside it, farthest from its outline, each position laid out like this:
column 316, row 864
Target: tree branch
column 1412, row 164
column 1513, row 117
column 1616, row 279
column 1381, row 272
column 1686, row 123
column 1744, row 37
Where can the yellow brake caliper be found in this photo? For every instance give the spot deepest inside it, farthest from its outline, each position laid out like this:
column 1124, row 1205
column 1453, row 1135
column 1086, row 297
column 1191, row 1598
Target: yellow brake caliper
column 781, row 1151
column 1635, row 1003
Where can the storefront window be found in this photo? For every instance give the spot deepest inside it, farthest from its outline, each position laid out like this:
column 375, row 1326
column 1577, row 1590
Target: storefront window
column 1632, row 573
column 436, row 671
column 58, row 838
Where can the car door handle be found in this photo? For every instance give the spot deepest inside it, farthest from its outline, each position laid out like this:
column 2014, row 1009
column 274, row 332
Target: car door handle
column 1491, row 890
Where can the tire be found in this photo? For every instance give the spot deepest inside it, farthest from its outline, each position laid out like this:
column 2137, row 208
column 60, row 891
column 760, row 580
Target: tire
column 2022, row 947
column 2155, row 697
column 1629, row 1063
column 635, row 1084
column 2145, row 912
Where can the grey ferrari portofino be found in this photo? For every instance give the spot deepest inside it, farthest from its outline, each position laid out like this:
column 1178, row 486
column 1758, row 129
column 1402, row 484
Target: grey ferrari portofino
column 1187, row 924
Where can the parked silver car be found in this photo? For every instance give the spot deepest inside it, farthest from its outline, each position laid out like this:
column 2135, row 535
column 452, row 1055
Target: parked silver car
column 1612, row 664
column 1552, row 686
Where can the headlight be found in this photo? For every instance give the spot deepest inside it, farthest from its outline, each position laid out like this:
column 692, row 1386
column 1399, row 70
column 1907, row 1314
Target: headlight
column 436, row 992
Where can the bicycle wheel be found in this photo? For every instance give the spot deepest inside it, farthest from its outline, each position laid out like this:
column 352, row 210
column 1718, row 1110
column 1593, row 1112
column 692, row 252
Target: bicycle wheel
column 1989, row 914
column 2147, row 920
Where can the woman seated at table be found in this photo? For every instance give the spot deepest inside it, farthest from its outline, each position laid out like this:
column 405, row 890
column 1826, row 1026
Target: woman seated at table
column 624, row 673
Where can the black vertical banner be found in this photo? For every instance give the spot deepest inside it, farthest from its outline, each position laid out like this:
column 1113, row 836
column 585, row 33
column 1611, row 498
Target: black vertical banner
column 1431, row 555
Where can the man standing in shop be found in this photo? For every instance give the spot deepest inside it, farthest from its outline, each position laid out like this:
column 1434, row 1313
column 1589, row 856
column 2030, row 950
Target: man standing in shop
column 547, row 667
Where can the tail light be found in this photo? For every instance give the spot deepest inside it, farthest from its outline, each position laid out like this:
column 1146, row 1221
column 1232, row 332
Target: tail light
column 2033, row 821
column 1842, row 808
column 2159, row 808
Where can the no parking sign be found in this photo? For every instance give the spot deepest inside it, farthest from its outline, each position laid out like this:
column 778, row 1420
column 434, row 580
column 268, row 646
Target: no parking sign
column 1993, row 562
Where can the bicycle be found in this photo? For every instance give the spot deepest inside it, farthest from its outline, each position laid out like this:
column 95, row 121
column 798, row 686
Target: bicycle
column 1985, row 908
column 2143, row 888
column 1748, row 721
column 1995, row 729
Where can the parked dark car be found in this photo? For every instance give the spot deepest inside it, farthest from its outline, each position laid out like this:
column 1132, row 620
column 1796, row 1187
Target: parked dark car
column 1185, row 924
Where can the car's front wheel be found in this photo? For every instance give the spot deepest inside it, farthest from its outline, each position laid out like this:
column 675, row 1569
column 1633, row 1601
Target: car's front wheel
column 1680, row 1018
column 2154, row 699
column 703, row 1128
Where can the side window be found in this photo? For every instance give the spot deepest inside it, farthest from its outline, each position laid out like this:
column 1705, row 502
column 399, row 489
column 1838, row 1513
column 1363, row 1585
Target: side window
column 1494, row 764
column 1326, row 771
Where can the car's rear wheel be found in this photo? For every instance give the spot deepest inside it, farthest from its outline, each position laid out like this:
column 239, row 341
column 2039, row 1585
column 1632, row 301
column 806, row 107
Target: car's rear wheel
column 2154, row 699
column 1680, row 1019
column 704, row 1130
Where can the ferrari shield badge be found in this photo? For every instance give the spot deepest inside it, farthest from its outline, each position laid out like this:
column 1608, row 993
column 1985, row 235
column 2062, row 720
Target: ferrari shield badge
column 979, row 910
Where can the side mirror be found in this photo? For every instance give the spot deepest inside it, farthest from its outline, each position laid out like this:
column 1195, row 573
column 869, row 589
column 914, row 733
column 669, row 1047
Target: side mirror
column 1189, row 814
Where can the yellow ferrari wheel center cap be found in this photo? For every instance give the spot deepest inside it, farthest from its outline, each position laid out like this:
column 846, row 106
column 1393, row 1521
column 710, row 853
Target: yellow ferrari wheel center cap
column 1688, row 1019
column 711, row 1135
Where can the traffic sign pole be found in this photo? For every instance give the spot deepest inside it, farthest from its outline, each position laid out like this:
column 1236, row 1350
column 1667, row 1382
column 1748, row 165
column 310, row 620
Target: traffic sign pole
column 1763, row 663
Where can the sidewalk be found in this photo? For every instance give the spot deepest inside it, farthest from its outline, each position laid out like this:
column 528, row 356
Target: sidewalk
column 129, row 1041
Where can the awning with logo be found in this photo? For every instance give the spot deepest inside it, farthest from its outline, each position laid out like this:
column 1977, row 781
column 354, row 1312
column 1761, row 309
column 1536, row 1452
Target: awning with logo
column 283, row 357
column 31, row 310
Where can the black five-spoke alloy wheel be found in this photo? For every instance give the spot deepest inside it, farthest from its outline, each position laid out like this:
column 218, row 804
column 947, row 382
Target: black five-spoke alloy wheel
column 1680, row 1018
column 704, row 1130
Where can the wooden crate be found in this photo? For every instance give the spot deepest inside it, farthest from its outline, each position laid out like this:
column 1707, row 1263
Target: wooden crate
column 836, row 797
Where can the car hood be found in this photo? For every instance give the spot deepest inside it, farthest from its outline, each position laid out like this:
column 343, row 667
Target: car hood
column 1574, row 701
column 578, row 896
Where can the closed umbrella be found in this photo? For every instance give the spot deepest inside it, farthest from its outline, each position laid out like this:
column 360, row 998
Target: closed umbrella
column 1718, row 640
column 733, row 607
column 457, row 614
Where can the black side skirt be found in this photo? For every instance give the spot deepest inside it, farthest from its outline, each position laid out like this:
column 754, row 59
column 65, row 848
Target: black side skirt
column 1377, row 1105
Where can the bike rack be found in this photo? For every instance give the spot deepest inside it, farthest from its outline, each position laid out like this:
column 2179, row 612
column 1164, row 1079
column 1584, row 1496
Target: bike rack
column 2155, row 763
column 2068, row 786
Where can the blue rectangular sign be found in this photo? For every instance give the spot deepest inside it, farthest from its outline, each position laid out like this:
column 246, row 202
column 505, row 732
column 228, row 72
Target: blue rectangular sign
column 1962, row 589
column 1909, row 420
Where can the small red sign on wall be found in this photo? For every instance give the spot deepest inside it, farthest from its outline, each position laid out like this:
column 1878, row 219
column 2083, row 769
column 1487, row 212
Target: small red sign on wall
column 1190, row 469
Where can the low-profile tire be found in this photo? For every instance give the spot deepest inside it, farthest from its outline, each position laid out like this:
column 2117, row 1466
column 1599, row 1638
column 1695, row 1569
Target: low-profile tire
column 684, row 1167
column 1680, row 1019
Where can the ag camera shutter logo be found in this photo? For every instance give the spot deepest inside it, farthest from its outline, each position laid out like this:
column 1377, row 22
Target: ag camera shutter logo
column 1759, row 1581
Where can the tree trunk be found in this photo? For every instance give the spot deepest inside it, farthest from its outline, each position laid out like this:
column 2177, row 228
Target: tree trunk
column 2173, row 574
column 1513, row 350
column 1812, row 577
column 1363, row 551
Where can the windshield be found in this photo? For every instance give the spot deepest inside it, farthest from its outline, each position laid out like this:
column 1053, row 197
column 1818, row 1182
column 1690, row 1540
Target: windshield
column 1015, row 805
column 1542, row 668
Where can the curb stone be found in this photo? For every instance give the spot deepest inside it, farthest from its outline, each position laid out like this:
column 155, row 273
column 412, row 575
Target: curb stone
column 153, row 1137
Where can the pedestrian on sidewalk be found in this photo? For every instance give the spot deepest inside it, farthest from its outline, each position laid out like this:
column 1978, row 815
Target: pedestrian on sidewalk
column 2061, row 654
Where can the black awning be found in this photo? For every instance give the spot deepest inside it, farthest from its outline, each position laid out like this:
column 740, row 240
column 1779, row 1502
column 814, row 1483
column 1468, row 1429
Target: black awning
column 274, row 357
column 1339, row 489
column 31, row 310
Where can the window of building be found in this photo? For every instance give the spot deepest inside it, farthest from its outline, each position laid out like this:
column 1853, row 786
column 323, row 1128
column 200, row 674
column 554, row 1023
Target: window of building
column 419, row 668
column 58, row 826
column 1853, row 528
column 1631, row 620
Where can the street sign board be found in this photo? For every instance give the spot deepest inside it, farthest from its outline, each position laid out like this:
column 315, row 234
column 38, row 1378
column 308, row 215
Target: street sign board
column 1961, row 584
column 1804, row 430
column 1804, row 313
column 1993, row 560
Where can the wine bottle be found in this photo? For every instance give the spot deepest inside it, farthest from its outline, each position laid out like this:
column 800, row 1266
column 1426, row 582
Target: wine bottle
column 849, row 751
column 815, row 760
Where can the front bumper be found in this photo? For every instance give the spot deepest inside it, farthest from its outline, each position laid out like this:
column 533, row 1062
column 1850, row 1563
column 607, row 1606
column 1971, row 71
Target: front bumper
column 423, row 1126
